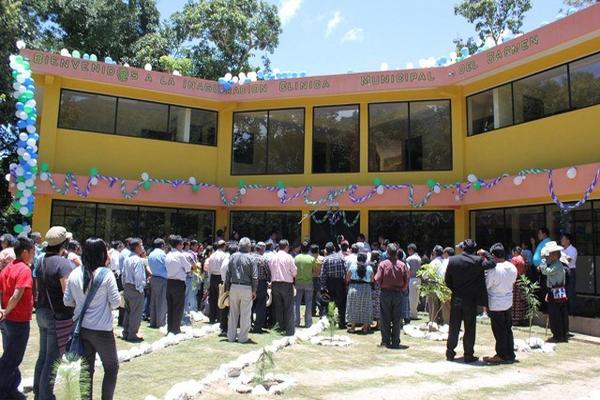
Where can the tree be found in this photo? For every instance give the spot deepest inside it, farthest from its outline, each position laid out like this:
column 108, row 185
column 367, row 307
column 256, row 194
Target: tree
column 470, row 44
column 580, row 3
column 530, row 289
column 227, row 33
column 494, row 17
column 433, row 286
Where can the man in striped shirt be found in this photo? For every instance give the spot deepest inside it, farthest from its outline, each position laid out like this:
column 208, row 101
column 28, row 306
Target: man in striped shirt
column 333, row 272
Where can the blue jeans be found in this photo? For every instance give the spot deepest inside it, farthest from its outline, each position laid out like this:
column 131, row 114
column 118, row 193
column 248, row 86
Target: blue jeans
column 43, row 381
column 304, row 290
column 14, row 342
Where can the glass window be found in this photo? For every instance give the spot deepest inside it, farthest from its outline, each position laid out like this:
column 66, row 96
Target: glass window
column 541, row 95
column 258, row 225
column 249, row 143
column 522, row 224
column 121, row 221
column 490, row 110
column 196, row 224
column 336, row 139
column 269, row 142
column 190, row 125
column 488, row 227
column 87, row 111
column 142, row 119
column 155, row 222
column 325, row 231
column 286, row 142
column 585, row 81
column 388, row 136
column 424, row 228
column 429, row 146
column 78, row 217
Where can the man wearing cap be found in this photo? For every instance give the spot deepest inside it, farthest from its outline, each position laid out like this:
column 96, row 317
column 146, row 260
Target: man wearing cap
column 500, row 281
column 259, row 307
column 215, row 261
column 133, row 276
column 52, row 272
column 414, row 263
column 554, row 270
column 465, row 278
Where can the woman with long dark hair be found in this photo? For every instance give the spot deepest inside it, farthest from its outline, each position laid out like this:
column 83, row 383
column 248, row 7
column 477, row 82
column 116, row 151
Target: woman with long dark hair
column 359, row 303
column 375, row 289
column 97, row 323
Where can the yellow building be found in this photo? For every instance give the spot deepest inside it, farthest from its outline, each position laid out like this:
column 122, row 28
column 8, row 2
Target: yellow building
column 527, row 107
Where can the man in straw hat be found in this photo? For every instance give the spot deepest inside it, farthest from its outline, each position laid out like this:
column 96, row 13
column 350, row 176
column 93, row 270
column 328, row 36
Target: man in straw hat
column 556, row 297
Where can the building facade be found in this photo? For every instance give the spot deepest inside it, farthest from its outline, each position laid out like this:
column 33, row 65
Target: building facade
column 428, row 155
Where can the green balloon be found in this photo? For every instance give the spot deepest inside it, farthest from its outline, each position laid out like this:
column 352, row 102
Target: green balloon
column 34, row 170
column 16, row 205
column 44, row 167
column 22, row 98
column 430, row 183
column 28, row 109
column 195, row 188
column 19, row 59
column 15, row 74
column 76, row 54
column 93, row 57
column 377, row 181
column 93, row 171
column 242, row 183
column 18, row 228
column 477, row 185
column 280, row 185
column 147, row 185
column 26, row 65
column 19, row 193
column 20, row 179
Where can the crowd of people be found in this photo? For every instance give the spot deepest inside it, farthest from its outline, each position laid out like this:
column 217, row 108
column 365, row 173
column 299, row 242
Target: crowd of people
column 248, row 287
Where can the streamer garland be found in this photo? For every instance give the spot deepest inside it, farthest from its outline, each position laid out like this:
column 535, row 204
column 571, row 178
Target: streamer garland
column 286, row 195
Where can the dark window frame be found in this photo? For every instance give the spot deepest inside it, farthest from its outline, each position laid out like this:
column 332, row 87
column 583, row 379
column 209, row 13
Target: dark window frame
column 408, row 102
column 312, row 164
column 594, row 205
column 569, row 92
column 265, row 212
column 137, row 207
column 268, row 111
column 114, row 131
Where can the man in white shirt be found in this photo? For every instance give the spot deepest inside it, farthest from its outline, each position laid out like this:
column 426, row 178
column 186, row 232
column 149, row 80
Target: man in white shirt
column 500, row 282
column 215, row 262
column 178, row 264
column 414, row 263
column 571, row 252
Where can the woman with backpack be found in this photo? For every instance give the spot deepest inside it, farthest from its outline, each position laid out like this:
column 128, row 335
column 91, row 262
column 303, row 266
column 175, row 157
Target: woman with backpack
column 94, row 315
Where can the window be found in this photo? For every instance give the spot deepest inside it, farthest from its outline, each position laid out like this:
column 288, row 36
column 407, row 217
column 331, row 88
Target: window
column 190, row 125
column 424, row 228
column 130, row 117
column 268, row 142
column 336, row 139
column 584, row 76
column 429, row 146
column 541, row 95
column 490, row 110
column 87, row 111
column 142, row 119
column 388, row 136
column 259, row 225
column 116, row 221
column 322, row 232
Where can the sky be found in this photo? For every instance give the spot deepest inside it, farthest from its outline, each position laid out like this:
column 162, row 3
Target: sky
column 324, row 37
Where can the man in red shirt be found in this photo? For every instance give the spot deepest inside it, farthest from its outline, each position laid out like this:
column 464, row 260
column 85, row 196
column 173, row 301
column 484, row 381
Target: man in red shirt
column 15, row 316
column 392, row 276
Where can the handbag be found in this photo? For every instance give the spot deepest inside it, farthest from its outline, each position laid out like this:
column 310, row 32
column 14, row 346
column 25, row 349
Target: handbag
column 74, row 345
column 223, row 301
column 559, row 294
column 63, row 327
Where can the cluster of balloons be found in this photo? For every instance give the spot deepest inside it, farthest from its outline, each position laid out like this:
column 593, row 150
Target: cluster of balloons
column 85, row 56
column 276, row 74
column 228, row 81
column 26, row 112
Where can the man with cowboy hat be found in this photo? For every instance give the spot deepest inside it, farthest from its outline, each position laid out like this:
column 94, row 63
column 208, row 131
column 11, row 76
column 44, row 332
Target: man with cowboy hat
column 554, row 270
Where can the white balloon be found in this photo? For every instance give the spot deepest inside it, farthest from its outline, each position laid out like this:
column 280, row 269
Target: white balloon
column 252, row 75
column 30, row 128
column 23, row 136
column 26, row 229
column 228, row 77
column 243, row 191
column 65, row 53
column 145, row 176
column 31, row 142
column 457, row 198
column 12, row 166
column 44, row 176
column 20, row 151
column 29, row 182
column 235, row 79
column 13, row 59
column 572, row 173
column 31, row 103
column 23, row 200
column 472, row 178
column 518, row 180
column 126, row 65
column 7, row 177
column 21, row 186
column 192, row 180
column 176, row 73
column 437, row 189
column 148, row 67
column 20, row 171
column 242, row 76
column 20, row 44
column 24, row 210
column 32, row 162
column 281, row 193
column 27, row 193
column 94, row 181
column 26, row 156
column 21, row 78
column 16, row 85
column 380, row 189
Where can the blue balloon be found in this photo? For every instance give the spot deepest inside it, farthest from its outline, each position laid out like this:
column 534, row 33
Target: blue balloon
column 108, row 60
column 571, row 10
column 35, row 136
column 34, row 155
column 227, row 86
column 302, row 74
column 20, row 106
column 260, row 75
column 21, row 124
column 27, row 174
column 464, row 52
column 222, row 81
column 31, row 121
column 86, row 56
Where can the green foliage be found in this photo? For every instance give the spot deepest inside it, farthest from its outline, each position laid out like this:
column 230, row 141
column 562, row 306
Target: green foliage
column 494, row 17
column 579, row 3
column 72, row 379
column 432, row 284
column 470, row 44
column 170, row 64
column 265, row 362
column 228, row 32
column 529, row 289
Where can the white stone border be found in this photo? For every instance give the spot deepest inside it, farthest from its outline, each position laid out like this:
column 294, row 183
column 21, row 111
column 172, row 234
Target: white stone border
column 187, row 390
